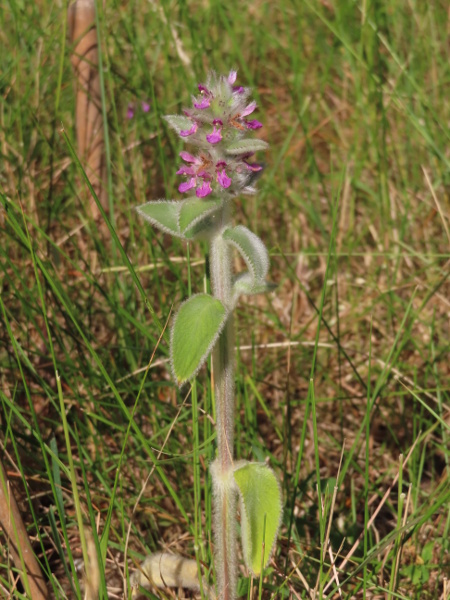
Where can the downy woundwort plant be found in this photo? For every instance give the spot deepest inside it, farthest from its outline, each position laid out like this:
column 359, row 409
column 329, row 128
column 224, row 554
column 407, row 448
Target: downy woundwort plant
column 220, row 127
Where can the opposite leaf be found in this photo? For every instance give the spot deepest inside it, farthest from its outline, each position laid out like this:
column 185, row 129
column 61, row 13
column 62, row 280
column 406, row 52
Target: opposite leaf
column 252, row 250
column 245, row 284
column 163, row 214
column 260, row 498
column 195, row 330
column 193, row 210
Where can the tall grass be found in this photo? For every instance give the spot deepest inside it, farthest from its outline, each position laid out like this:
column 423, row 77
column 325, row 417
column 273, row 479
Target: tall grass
column 343, row 373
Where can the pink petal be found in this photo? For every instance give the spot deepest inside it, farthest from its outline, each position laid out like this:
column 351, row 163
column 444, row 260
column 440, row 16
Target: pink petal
column 232, row 77
column 191, row 131
column 204, row 190
column 130, row 111
column 253, row 166
column 145, row 106
column 215, row 136
column 253, row 124
column 223, row 179
column 248, row 109
column 185, row 170
column 187, row 185
column 204, row 103
column 188, row 157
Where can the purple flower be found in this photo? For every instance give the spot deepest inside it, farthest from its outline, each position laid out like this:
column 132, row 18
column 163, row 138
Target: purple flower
column 204, row 190
column 205, row 101
column 254, row 124
column 219, row 107
column 248, row 109
column 253, row 166
column 185, row 170
column 239, row 122
column 223, row 179
column 132, row 107
column 191, row 131
column 188, row 157
column 199, row 177
column 216, row 135
column 187, row 185
column 232, row 77
column 200, row 172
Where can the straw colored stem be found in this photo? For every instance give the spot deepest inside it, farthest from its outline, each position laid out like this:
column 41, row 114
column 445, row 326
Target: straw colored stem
column 19, row 545
column 88, row 111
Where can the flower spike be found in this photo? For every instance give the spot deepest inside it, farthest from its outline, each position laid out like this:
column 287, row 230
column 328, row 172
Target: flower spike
column 217, row 124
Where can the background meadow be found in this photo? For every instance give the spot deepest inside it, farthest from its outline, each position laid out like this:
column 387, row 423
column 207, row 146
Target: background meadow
column 343, row 372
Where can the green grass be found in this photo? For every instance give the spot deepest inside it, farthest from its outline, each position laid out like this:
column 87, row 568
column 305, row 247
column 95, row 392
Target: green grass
column 340, row 373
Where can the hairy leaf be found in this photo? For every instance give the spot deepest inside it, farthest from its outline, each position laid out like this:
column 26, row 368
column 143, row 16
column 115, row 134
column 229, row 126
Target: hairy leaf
column 195, row 330
column 252, row 250
column 193, row 210
column 245, row 146
column 178, row 122
column 163, row 214
column 260, row 499
column 245, row 284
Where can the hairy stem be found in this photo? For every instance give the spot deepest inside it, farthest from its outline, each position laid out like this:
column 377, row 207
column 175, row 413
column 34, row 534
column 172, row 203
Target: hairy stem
column 223, row 373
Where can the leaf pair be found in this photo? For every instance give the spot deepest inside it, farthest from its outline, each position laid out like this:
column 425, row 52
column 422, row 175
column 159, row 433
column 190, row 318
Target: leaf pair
column 256, row 257
column 188, row 219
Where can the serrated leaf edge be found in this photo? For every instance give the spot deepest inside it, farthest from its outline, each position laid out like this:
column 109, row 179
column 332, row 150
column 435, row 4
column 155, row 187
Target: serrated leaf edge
column 203, row 359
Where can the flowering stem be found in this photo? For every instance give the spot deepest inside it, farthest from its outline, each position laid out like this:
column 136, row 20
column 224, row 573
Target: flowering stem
column 223, row 374
column 217, row 125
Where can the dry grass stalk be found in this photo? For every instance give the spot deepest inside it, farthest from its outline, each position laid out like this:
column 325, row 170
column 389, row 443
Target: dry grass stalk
column 18, row 543
column 88, row 111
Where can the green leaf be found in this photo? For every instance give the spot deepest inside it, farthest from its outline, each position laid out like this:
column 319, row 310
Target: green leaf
column 245, row 146
column 260, row 497
column 179, row 123
column 202, row 229
column 193, row 210
column 245, row 284
column 163, row 214
column 251, row 248
column 428, row 551
column 195, row 330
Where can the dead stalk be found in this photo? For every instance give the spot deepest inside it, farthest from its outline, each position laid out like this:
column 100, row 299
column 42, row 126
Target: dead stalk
column 88, row 111
column 18, row 543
